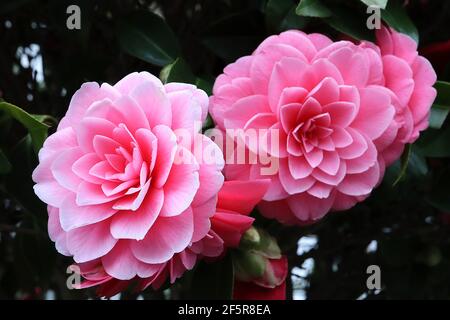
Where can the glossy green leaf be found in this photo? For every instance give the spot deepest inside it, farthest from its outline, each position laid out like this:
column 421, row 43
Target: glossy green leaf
column 214, row 281
column 146, row 36
column 230, row 48
column 205, row 85
column 293, row 21
column 396, row 17
column 435, row 143
column 438, row 115
column 313, row 8
column 36, row 128
column 443, row 93
column 350, row 22
column 177, row 71
column 441, row 106
column 276, row 11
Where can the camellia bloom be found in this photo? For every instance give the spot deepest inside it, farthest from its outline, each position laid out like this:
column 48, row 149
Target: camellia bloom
column 132, row 187
column 340, row 111
column 126, row 196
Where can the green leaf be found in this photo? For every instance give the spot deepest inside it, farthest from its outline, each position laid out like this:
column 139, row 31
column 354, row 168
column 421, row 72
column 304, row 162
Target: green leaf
column 443, row 93
column 435, row 143
column 214, row 281
column 177, row 71
column 205, row 85
column 36, row 128
column 438, row 115
column 276, row 11
column 231, row 47
column 349, row 22
column 441, row 106
column 313, row 8
column 5, row 165
column 396, row 17
column 234, row 35
column 404, row 160
column 293, row 21
column 379, row 3
column 146, row 36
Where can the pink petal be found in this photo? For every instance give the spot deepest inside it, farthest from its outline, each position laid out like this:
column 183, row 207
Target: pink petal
column 181, row 185
column 398, row 77
column 126, row 85
column 82, row 99
column 244, row 109
column 360, row 184
column 353, row 65
column 167, row 146
column 341, row 113
column 289, row 115
column 91, row 194
column 84, row 164
column 330, row 163
column 309, row 208
column 186, row 111
column 65, row 177
column 242, row 196
column 210, row 174
column 168, row 235
column 120, row 262
column 90, row 127
column 291, row 185
column 55, row 232
column 326, row 91
column 90, row 242
column 299, row 167
column 74, row 216
column 154, row 102
column 136, row 224
column 314, row 157
column 375, row 112
column 341, row 138
column 320, row 190
column 104, row 145
column 202, row 214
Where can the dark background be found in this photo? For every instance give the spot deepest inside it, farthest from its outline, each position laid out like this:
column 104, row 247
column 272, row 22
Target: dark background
column 406, row 225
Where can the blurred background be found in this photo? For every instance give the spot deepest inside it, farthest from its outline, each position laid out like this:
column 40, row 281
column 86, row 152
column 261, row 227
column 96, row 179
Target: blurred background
column 404, row 227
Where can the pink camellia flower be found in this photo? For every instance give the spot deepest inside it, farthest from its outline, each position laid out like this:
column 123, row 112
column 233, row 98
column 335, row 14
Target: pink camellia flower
column 126, row 194
column 131, row 192
column 336, row 110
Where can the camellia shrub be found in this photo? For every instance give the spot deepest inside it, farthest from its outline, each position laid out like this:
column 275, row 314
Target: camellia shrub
column 224, row 149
